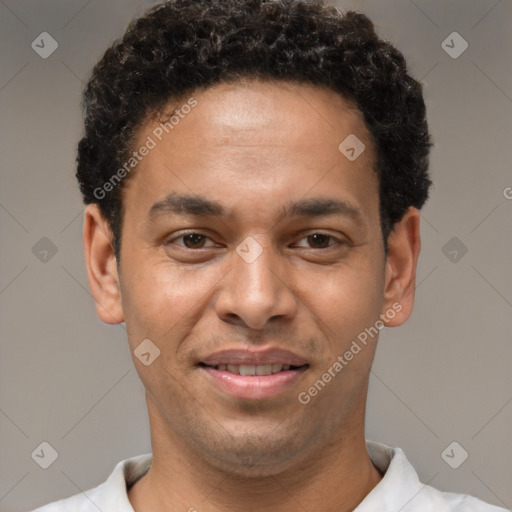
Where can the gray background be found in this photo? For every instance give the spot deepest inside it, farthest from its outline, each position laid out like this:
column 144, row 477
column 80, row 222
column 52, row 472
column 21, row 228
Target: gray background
column 444, row 376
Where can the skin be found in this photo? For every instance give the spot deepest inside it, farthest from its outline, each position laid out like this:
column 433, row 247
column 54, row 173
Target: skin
column 253, row 146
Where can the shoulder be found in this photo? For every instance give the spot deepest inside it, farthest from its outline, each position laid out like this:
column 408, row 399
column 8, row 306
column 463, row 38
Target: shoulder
column 83, row 502
column 401, row 489
column 452, row 502
column 111, row 495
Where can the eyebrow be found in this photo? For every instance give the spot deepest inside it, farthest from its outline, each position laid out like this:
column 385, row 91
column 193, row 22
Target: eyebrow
column 199, row 206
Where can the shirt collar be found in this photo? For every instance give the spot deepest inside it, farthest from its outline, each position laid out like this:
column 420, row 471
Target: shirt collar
column 113, row 496
column 399, row 485
column 398, row 475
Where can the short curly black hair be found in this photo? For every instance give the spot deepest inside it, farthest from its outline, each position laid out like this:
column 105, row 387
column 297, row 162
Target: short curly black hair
column 182, row 46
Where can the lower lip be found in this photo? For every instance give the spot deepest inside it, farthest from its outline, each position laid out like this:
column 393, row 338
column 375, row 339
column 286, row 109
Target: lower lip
column 254, row 387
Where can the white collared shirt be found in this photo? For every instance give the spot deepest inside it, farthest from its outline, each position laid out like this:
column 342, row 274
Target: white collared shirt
column 400, row 489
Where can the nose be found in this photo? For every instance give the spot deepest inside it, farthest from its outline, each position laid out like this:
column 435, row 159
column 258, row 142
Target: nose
column 255, row 292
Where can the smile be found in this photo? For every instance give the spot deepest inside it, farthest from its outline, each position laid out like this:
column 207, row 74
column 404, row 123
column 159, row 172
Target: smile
column 254, row 382
column 251, row 369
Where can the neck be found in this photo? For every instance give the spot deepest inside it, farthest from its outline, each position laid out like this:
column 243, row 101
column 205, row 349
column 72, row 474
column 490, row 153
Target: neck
column 337, row 476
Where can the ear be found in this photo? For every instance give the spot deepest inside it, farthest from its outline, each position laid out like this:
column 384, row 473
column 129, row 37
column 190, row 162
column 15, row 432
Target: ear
column 101, row 266
column 404, row 246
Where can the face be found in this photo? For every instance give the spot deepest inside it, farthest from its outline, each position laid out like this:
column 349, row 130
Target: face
column 251, row 244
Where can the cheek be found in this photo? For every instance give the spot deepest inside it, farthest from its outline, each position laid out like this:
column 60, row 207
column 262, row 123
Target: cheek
column 163, row 304
column 161, row 301
column 348, row 299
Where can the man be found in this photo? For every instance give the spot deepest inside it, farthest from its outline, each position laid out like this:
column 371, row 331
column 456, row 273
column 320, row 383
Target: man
column 253, row 172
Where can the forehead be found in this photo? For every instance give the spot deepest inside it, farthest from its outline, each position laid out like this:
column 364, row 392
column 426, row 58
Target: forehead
column 278, row 139
column 277, row 113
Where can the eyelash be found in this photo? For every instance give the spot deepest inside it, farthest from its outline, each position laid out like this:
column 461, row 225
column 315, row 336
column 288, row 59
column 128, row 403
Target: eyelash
column 337, row 240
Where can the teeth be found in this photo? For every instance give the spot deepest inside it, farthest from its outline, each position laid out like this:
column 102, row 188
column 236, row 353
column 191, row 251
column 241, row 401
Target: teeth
column 264, row 369
column 250, row 369
column 276, row 367
column 247, row 369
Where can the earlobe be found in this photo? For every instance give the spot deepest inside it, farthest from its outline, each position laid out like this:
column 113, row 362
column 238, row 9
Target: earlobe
column 404, row 245
column 101, row 266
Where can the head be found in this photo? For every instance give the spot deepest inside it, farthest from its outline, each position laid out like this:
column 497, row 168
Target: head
column 254, row 172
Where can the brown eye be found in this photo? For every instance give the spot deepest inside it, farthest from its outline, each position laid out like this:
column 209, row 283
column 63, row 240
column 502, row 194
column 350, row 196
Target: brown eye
column 319, row 239
column 194, row 241
column 190, row 241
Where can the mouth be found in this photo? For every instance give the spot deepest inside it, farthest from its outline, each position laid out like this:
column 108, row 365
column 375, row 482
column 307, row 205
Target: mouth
column 252, row 369
column 254, row 375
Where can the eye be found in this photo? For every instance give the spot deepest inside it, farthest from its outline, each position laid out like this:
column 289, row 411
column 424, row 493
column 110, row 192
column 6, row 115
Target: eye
column 190, row 241
column 321, row 240
column 194, row 241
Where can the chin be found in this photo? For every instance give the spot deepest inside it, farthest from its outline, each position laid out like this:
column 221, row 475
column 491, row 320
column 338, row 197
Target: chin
column 253, row 454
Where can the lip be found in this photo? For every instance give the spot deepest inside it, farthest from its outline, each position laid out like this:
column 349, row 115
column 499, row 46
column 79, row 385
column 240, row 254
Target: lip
column 254, row 387
column 254, row 357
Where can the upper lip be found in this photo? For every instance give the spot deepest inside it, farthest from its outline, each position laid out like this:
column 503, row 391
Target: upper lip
column 253, row 357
